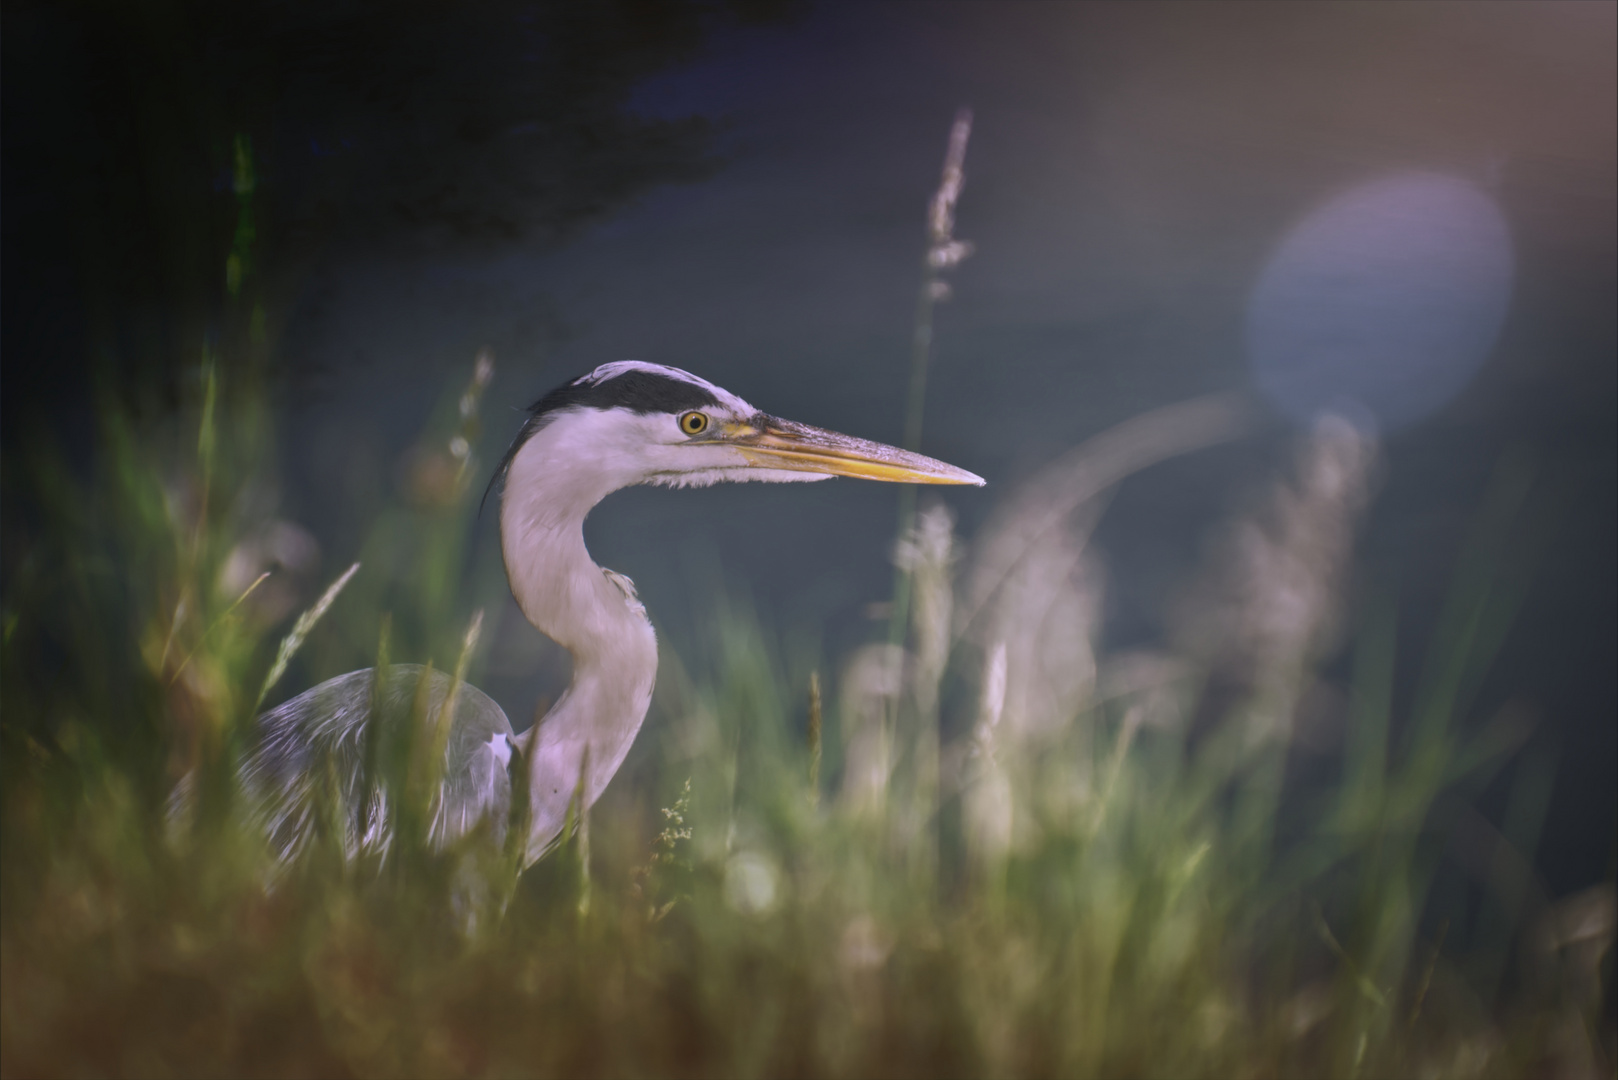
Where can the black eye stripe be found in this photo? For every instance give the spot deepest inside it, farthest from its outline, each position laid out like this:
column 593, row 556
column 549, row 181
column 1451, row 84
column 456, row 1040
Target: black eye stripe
column 640, row 392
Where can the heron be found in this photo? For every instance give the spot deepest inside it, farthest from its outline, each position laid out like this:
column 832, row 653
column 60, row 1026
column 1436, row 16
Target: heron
column 623, row 424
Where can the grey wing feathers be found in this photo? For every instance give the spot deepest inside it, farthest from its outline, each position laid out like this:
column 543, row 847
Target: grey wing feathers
column 323, row 732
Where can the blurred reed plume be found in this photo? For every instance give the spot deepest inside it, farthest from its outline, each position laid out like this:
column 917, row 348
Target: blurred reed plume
column 1030, row 606
column 927, row 554
column 872, row 685
column 1270, row 605
column 1074, row 483
column 943, row 252
column 986, row 802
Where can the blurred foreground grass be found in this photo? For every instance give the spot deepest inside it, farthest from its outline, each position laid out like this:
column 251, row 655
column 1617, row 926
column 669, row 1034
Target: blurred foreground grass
column 992, row 850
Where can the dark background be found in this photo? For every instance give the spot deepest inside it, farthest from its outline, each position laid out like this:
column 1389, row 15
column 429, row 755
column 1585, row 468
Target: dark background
column 739, row 189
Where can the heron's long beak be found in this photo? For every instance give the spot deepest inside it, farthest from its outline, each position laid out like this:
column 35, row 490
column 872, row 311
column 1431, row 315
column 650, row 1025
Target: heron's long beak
column 773, row 443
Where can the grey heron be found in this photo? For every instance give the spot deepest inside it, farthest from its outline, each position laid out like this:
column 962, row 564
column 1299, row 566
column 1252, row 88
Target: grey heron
column 622, row 424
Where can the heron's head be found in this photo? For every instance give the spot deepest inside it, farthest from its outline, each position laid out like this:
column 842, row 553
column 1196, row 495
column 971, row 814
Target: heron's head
column 635, row 423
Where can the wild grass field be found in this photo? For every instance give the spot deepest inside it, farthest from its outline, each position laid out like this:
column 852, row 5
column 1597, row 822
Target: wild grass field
column 986, row 845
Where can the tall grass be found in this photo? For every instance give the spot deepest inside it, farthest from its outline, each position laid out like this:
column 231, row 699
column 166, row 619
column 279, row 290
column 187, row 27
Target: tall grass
column 989, row 846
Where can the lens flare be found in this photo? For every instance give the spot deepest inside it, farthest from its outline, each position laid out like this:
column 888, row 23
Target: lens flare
column 1382, row 304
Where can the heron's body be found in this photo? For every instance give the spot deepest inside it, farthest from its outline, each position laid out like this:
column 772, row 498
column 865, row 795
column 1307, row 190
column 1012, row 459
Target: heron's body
column 328, row 723
column 622, row 424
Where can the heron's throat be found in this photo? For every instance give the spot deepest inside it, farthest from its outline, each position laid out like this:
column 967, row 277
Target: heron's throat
column 591, row 612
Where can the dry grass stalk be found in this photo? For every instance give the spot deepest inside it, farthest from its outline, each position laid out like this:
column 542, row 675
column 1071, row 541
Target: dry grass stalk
column 300, row 630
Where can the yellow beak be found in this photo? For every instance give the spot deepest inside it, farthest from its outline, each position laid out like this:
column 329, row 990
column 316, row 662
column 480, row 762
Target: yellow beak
column 782, row 444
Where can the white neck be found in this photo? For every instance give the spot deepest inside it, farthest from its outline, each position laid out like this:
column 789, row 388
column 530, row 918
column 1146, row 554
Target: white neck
column 591, row 612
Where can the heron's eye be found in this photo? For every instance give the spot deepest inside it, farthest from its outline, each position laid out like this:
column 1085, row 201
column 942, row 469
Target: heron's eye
column 694, row 423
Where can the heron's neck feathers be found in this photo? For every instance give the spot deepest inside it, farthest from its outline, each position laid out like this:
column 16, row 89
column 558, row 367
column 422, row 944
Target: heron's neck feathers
column 591, row 612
